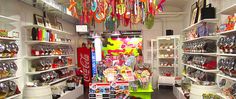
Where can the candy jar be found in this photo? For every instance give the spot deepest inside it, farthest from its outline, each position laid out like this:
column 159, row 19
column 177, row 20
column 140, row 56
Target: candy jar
column 14, row 49
column 12, row 87
column 4, row 89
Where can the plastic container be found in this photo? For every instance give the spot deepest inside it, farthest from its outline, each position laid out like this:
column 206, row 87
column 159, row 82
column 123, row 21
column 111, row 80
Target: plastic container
column 43, row 92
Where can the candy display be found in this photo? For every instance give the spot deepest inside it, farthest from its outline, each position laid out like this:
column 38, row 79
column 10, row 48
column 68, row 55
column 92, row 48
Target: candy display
column 201, row 46
column 227, row 44
column 8, row 88
column 9, row 34
column 205, row 62
column 7, row 69
column 8, row 49
column 227, row 66
column 45, row 50
column 203, row 78
column 51, row 76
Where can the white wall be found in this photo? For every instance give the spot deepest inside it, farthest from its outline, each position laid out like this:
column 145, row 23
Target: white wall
column 24, row 12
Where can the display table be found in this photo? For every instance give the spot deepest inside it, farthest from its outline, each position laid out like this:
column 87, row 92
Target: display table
column 142, row 93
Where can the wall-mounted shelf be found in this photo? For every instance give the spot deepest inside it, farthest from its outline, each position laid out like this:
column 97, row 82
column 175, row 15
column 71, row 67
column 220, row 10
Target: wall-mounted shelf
column 4, row 59
column 166, row 66
column 49, row 28
column 193, row 79
column 226, row 32
column 10, row 39
column 5, row 19
column 14, row 96
column 202, row 38
column 206, row 54
column 229, row 10
column 47, row 42
column 204, row 70
column 222, row 95
column 199, row 23
column 51, row 56
column 225, row 76
column 9, row 78
column 227, row 55
column 61, row 79
column 53, row 69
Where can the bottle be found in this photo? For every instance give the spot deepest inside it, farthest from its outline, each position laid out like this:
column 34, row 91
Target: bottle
column 34, row 33
column 70, row 84
column 40, row 34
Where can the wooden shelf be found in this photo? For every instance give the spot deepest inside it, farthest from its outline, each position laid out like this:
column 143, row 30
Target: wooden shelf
column 10, row 39
column 229, row 10
column 9, row 78
column 204, row 70
column 48, row 28
column 202, row 21
column 207, row 54
column 14, row 96
column 225, row 76
column 53, row 69
column 4, row 59
column 202, row 38
column 226, row 32
column 59, row 80
column 47, row 42
column 5, row 19
column 51, row 56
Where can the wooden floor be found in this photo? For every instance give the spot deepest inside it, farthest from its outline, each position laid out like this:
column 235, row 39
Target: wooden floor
column 164, row 93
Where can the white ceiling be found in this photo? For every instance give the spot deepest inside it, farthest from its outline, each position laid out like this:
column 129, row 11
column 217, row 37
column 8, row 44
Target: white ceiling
column 177, row 3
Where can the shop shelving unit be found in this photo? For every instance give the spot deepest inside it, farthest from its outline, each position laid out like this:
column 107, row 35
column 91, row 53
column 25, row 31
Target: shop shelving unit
column 228, row 11
column 12, row 24
column 28, row 58
column 169, row 41
column 212, row 36
column 153, row 53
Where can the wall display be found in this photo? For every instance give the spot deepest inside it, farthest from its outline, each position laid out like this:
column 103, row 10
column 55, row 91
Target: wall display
column 123, row 46
column 39, row 20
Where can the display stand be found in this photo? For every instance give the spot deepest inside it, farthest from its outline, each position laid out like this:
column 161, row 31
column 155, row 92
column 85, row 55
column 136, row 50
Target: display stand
column 143, row 93
column 167, row 59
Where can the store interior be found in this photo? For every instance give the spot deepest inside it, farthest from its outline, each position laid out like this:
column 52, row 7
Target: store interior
column 117, row 49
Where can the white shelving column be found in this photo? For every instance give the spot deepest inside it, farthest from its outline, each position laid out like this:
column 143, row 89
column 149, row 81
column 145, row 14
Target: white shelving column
column 167, row 59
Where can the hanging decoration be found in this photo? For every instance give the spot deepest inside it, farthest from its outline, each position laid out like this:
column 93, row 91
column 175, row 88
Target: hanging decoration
column 112, row 13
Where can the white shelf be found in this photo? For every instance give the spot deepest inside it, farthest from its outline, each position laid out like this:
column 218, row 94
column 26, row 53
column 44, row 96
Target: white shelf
column 226, row 32
column 48, row 28
column 202, row 21
column 3, row 59
column 166, row 66
column 208, row 54
column 10, row 39
column 59, row 80
column 204, row 70
column 229, row 10
column 227, row 54
column 166, row 57
column 51, row 56
column 204, row 37
column 228, row 77
column 5, row 19
column 193, row 79
column 222, row 96
column 9, row 78
column 14, row 96
column 168, row 49
column 53, row 69
column 47, row 42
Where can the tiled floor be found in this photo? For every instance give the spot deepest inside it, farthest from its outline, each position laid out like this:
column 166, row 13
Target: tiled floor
column 164, row 93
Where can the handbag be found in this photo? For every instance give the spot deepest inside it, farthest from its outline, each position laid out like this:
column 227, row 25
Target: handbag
column 208, row 12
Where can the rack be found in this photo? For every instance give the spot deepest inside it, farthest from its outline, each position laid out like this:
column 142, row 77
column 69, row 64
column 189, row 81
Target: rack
column 167, row 41
column 14, row 96
column 5, row 19
column 47, row 42
column 9, row 78
column 228, row 11
column 53, row 69
column 206, row 54
column 50, row 56
column 49, row 28
column 202, row 38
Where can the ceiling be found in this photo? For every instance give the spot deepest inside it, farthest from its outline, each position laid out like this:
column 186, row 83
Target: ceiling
column 177, row 3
